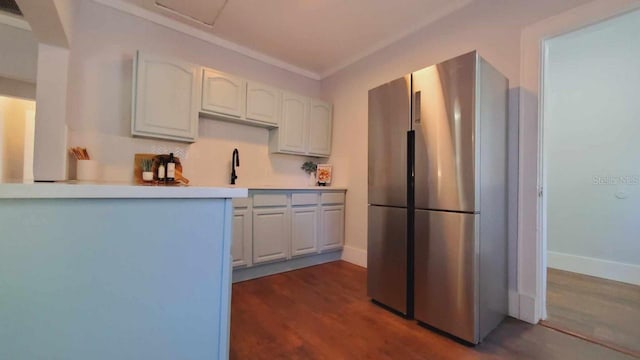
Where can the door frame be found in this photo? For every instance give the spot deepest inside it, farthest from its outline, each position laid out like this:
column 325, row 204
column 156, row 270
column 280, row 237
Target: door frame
column 542, row 182
column 591, row 18
column 529, row 304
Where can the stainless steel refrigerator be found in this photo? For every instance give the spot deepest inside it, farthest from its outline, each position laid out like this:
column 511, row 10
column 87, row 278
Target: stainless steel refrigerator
column 437, row 233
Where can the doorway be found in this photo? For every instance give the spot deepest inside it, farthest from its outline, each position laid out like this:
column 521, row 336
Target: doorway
column 591, row 181
column 17, row 131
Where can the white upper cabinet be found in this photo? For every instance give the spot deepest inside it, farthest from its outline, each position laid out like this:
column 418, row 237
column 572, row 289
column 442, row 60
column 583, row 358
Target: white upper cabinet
column 305, row 127
column 320, row 128
column 263, row 103
column 169, row 95
column 292, row 133
column 223, row 94
column 165, row 98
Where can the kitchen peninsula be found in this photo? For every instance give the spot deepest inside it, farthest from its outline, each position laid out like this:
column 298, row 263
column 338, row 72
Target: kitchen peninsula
column 115, row 271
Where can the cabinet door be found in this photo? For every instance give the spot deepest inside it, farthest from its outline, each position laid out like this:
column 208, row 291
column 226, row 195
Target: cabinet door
column 304, row 229
column 165, row 103
column 263, row 103
column 270, row 234
column 241, row 243
column 223, row 93
column 332, row 227
column 320, row 122
column 293, row 126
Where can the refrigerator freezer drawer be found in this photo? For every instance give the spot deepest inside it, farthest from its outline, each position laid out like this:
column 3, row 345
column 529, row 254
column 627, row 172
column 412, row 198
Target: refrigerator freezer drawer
column 387, row 257
column 446, row 272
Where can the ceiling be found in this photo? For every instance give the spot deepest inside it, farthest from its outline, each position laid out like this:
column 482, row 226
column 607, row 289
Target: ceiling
column 317, row 36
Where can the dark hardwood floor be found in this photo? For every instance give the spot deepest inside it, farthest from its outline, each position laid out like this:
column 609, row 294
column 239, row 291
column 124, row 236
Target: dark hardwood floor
column 600, row 310
column 322, row 312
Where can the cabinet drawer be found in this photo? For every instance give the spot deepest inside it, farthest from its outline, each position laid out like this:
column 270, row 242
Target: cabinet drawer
column 304, row 199
column 269, row 200
column 241, row 202
column 333, row 198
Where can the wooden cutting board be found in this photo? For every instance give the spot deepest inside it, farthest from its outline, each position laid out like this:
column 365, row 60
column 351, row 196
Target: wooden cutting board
column 137, row 169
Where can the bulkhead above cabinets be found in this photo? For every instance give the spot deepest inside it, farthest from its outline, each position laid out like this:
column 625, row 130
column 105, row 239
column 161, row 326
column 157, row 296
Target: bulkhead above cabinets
column 169, row 96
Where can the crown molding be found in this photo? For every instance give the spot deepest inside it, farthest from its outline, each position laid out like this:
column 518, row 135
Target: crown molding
column 14, row 21
column 205, row 36
column 159, row 19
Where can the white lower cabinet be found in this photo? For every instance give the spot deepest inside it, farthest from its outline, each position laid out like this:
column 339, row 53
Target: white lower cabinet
column 270, row 234
column 241, row 246
column 332, row 220
column 278, row 225
column 304, row 230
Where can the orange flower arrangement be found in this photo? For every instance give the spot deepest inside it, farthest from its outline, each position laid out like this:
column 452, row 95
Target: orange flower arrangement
column 323, row 175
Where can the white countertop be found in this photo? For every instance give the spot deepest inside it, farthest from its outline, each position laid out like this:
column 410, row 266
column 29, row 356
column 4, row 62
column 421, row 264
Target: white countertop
column 313, row 188
column 279, row 187
column 78, row 190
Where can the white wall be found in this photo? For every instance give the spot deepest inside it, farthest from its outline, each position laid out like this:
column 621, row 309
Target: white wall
column 493, row 28
column 16, row 133
column 18, row 55
column 17, row 88
column 50, row 153
column 592, row 152
column 99, row 106
column 18, row 63
column 18, row 60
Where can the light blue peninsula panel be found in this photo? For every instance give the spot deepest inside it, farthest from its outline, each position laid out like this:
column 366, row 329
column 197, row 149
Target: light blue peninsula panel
column 107, row 279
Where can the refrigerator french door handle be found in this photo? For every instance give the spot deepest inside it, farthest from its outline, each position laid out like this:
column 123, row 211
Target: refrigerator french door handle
column 411, row 144
column 417, row 107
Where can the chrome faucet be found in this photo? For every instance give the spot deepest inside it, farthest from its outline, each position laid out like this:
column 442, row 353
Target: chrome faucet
column 235, row 161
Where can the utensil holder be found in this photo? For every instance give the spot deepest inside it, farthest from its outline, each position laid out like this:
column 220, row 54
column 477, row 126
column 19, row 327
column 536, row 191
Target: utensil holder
column 87, row 170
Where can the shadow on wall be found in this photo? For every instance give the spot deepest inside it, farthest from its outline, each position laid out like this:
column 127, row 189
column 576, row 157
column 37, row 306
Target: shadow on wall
column 513, row 143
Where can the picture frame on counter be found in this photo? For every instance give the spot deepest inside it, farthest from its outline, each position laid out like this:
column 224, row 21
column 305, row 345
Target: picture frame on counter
column 324, row 174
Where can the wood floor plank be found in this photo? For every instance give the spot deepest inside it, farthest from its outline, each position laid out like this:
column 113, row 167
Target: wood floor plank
column 322, row 312
column 602, row 310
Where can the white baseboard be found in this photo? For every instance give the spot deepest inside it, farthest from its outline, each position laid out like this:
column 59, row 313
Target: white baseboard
column 514, row 304
column 354, row 255
column 605, row 269
column 261, row 270
column 527, row 309
column 522, row 307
